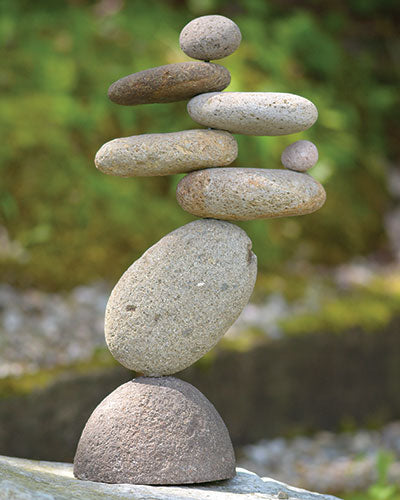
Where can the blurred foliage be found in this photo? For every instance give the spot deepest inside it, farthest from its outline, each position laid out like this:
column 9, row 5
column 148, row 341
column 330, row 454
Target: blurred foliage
column 382, row 489
column 75, row 224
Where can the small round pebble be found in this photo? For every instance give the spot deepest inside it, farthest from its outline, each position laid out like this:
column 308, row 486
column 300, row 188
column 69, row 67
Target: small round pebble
column 300, row 156
column 210, row 37
column 154, row 431
column 249, row 193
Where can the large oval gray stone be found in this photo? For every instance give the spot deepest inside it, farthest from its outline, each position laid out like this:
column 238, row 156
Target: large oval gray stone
column 249, row 193
column 165, row 154
column 253, row 113
column 169, row 83
column 175, row 303
column 155, row 431
column 210, row 37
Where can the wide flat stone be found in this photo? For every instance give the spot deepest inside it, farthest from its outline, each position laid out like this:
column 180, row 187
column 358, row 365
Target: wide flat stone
column 253, row 113
column 175, row 303
column 22, row 479
column 210, row 37
column 155, row 431
column 169, row 83
column 249, row 193
column 165, row 154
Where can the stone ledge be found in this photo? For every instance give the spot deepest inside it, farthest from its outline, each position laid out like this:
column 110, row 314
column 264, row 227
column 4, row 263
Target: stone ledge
column 22, row 479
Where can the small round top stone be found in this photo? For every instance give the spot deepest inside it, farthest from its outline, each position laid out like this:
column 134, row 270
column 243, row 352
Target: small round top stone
column 300, row 156
column 210, row 37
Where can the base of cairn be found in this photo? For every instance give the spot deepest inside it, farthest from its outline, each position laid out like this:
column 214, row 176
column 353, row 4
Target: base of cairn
column 155, row 431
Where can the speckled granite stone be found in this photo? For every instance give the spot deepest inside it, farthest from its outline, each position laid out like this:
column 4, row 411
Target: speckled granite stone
column 169, row 83
column 300, row 156
column 253, row 113
column 249, row 193
column 174, row 304
column 155, row 431
column 165, row 154
column 210, row 37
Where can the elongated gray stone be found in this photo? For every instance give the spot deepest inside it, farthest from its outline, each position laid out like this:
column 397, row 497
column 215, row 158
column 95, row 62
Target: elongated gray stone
column 169, row 83
column 174, row 304
column 300, row 156
column 249, row 193
column 210, row 37
column 38, row 480
column 165, row 154
column 253, row 113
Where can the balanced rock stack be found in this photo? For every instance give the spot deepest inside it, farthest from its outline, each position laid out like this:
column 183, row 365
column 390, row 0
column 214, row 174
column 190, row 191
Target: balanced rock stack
column 176, row 302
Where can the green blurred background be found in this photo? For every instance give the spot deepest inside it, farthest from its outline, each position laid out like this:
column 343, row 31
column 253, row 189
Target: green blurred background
column 73, row 225
column 64, row 224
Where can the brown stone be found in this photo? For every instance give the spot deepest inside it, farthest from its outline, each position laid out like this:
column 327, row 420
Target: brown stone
column 155, row 431
column 169, row 83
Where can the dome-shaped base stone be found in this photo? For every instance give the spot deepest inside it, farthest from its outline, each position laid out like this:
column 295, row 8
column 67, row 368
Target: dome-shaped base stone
column 155, row 431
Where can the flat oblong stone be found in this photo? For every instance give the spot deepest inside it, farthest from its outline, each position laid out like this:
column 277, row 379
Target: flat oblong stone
column 253, row 113
column 166, row 154
column 155, row 431
column 169, row 83
column 210, row 37
column 173, row 304
column 300, row 156
column 249, row 193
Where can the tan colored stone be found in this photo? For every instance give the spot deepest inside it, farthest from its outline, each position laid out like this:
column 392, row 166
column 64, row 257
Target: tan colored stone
column 249, row 193
column 169, row 83
column 155, row 431
column 300, row 156
column 165, row 154
column 253, row 113
column 174, row 304
column 210, row 37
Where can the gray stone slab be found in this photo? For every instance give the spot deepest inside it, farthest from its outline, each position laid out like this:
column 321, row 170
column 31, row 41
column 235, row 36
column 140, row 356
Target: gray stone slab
column 22, row 479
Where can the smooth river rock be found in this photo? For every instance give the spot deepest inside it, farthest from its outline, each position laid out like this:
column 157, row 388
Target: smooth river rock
column 210, row 37
column 155, row 431
column 174, row 304
column 22, row 479
column 249, row 193
column 169, row 83
column 253, row 113
column 165, row 154
column 300, row 156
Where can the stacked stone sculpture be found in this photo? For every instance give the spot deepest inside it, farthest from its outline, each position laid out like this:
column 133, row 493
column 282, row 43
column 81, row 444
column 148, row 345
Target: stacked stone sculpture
column 176, row 302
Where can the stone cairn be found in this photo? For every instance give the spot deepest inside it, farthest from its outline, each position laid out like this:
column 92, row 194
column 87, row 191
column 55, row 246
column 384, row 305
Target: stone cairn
column 176, row 302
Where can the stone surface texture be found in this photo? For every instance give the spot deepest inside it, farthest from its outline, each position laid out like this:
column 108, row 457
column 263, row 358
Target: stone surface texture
column 300, row 156
column 165, row 154
column 210, row 37
column 249, row 193
column 253, row 113
column 155, row 431
column 22, row 479
column 169, row 83
column 174, row 303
